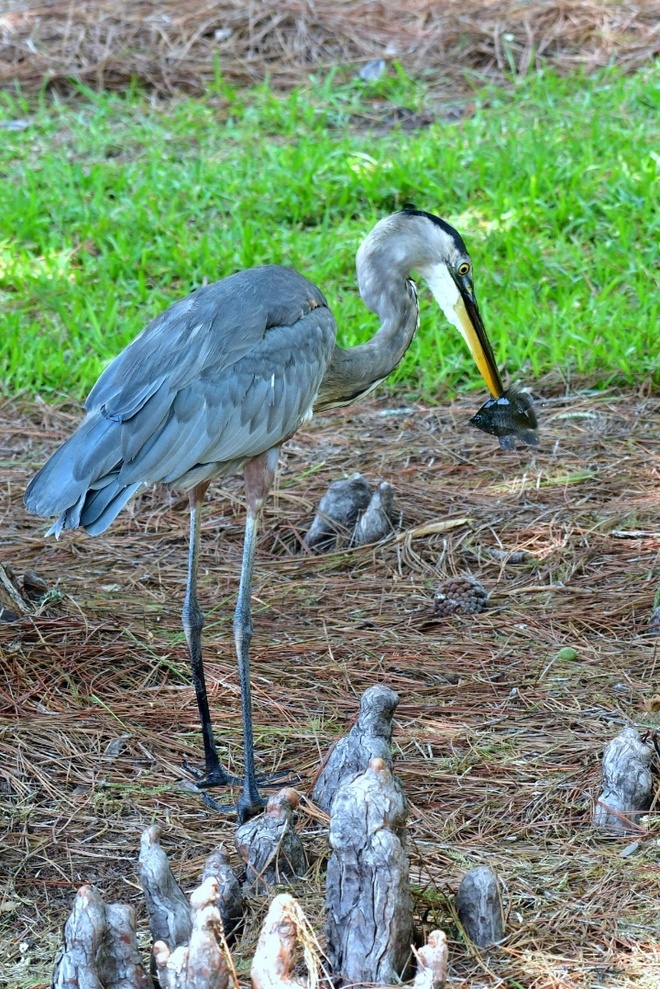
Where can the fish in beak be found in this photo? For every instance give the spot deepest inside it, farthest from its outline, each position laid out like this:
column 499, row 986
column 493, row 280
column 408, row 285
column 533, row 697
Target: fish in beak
column 510, row 417
column 508, row 414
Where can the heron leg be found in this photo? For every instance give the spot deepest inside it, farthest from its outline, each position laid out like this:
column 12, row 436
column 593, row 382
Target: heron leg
column 259, row 475
column 193, row 623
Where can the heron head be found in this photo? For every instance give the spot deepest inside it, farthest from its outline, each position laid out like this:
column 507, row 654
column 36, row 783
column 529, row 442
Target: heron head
column 412, row 240
column 445, row 265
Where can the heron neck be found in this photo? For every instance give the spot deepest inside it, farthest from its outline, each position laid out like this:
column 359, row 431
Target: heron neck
column 354, row 371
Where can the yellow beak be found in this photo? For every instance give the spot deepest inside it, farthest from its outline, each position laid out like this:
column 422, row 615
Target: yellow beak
column 474, row 333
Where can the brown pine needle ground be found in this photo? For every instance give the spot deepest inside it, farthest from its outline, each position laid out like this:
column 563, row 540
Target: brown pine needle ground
column 174, row 45
column 497, row 739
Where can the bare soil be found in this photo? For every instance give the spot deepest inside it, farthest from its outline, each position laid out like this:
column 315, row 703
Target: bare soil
column 497, row 738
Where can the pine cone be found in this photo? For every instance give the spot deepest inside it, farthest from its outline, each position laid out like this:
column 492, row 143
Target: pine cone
column 460, row 596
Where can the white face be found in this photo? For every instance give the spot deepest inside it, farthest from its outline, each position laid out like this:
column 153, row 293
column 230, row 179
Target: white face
column 445, row 292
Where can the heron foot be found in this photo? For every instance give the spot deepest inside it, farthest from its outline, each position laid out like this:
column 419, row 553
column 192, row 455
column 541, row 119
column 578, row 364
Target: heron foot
column 214, row 776
column 244, row 808
column 218, row 776
column 250, row 803
column 281, row 778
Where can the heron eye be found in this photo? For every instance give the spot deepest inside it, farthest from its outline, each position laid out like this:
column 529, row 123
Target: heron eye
column 463, row 268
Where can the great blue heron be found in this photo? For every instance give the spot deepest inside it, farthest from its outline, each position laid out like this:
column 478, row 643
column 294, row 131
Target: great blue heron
column 221, row 379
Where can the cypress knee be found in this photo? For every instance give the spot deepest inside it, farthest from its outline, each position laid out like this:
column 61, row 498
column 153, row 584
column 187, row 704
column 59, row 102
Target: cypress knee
column 369, row 907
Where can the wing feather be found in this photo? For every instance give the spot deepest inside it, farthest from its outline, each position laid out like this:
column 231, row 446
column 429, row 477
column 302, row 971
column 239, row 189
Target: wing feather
column 204, row 333
column 221, row 376
column 232, row 413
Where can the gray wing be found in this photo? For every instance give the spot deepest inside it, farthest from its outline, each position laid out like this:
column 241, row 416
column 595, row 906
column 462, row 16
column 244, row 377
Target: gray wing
column 250, row 357
column 221, row 376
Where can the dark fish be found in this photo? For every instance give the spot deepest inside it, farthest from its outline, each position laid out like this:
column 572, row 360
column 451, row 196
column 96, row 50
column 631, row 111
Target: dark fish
column 509, row 417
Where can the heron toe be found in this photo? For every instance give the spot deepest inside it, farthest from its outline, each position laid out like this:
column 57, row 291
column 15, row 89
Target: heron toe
column 216, row 776
column 248, row 806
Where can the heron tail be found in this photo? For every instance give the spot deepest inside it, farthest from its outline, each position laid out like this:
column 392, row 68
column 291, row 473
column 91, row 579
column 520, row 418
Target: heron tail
column 79, row 483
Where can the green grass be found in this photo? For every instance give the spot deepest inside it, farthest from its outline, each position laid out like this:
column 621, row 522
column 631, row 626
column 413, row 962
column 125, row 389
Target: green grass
column 112, row 207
